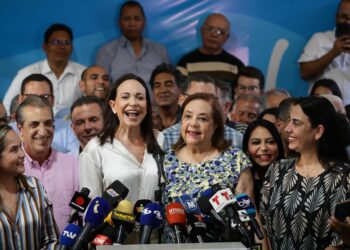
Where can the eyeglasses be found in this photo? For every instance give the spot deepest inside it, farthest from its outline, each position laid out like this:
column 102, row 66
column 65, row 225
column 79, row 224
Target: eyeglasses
column 60, row 42
column 249, row 88
column 5, row 119
column 45, row 96
column 215, row 30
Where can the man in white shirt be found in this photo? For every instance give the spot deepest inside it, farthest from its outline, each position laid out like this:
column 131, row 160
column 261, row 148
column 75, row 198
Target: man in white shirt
column 326, row 55
column 63, row 73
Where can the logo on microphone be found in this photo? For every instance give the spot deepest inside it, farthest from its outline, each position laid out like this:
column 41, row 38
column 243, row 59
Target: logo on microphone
column 190, row 204
column 243, row 202
column 111, row 192
column 69, row 234
column 96, row 207
column 221, row 199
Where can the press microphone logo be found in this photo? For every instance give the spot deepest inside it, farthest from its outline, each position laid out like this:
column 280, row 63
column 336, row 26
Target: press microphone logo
column 96, row 207
column 111, row 192
column 157, row 213
column 243, row 202
column 190, row 204
column 221, row 199
column 70, row 235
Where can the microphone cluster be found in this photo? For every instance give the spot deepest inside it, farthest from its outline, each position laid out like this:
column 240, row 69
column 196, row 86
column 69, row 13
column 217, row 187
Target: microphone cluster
column 108, row 220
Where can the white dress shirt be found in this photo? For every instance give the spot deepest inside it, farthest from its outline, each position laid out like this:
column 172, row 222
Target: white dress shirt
column 65, row 89
column 100, row 166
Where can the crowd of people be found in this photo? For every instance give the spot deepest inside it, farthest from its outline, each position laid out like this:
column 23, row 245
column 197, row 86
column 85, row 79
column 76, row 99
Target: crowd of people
column 189, row 128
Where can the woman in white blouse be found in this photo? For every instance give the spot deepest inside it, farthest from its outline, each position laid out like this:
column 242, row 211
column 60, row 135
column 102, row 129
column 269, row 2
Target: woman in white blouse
column 125, row 148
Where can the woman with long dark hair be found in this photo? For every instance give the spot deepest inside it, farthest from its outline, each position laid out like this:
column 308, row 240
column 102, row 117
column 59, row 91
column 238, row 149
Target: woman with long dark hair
column 125, row 148
column 299, row 194
column 263, row 144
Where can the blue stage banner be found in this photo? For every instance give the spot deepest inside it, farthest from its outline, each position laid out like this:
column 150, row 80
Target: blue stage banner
column 268, row 34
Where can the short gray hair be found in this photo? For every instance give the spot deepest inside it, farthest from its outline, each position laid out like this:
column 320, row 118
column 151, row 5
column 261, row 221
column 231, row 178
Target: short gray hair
column 31, row 101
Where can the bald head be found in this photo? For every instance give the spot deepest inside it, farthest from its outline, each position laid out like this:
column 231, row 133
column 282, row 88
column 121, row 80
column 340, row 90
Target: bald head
column 215, row 31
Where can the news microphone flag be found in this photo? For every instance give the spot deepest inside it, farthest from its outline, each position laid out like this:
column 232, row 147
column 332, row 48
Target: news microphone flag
column 69, row 234
column 151, row 218
column 97, row 210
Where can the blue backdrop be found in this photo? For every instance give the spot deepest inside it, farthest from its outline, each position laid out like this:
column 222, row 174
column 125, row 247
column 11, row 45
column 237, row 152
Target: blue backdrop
column 268, row 34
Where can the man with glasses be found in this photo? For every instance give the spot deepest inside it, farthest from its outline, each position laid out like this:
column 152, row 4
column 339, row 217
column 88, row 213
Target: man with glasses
column 64, row 139
column 211, row 58
column 250, row 80
column 326, row 55
column 63, row 73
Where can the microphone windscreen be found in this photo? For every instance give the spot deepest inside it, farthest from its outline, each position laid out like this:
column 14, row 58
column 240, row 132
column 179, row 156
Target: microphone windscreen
column 208, row 193
column 80, row 200
column 151, row 215
column 175, row 214
column 189, row 204
column 69, row 234
column 97, row 211
column 106, row 236
column 139, row 206
column 125, row 206
column 115, row 192
column 244, row 201
column 204, row 204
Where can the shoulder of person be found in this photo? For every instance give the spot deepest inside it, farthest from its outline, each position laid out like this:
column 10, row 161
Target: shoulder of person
column 76, row 66
column 188, row 57
column 34, row 67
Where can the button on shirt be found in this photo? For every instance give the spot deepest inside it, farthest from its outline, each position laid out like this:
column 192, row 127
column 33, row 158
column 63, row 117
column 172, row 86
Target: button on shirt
column 59, row 174
column 118, row 58
column 65, row 89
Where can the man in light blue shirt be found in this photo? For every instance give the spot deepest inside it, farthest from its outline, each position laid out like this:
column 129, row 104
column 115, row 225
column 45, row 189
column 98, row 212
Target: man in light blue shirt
column 131, row 53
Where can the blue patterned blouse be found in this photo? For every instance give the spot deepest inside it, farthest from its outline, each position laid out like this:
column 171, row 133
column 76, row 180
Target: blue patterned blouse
column 193, row 178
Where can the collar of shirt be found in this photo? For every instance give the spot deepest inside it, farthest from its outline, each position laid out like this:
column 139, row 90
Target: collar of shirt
column 125, row 42
column 68, row 70
column 35, row 164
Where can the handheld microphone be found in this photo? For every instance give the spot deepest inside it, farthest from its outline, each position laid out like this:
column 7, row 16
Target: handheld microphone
column 106, row 236
column 115, row 193
column 79, row 203
column 176, row 217
column 96, row 212
column 245, row 203
column 224, row 199
column 123, row 219
column 139, row 206
column 151, row 218
column 195, row 226
column 69, row 234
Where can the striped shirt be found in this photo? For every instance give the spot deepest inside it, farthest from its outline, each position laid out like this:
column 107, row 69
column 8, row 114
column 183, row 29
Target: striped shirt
column 34, row 226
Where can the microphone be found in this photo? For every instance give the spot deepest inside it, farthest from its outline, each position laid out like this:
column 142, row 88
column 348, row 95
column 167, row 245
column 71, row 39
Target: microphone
column 224, row 199
column 151, row 218
column 176, row 217
column 245, row 203
column 207, row 208
column 106, row 236
column 139, row 206
column 79, row 203
column 195, row 226
column 96, row 212
column 123, row 219
column 69, row 234
column 115, row 193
